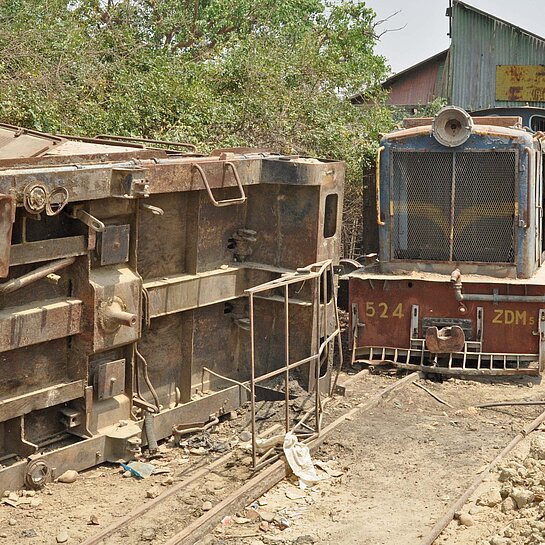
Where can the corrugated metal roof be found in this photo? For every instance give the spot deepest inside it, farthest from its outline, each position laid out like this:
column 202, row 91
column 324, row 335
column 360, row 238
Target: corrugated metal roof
column 480, row 42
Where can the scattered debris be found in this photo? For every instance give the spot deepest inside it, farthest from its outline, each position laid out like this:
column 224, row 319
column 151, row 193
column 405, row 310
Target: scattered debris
column 298, row 457
column 140, row 470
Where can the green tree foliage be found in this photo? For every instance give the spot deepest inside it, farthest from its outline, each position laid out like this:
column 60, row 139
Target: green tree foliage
column 216, row 73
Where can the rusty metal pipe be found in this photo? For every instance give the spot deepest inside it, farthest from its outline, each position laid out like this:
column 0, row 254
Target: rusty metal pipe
column 37, row 274
column 456, row 279
column 179, row 430
column 114, row 313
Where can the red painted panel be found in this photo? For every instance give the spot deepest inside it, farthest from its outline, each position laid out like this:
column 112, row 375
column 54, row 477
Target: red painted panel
column 385, row 308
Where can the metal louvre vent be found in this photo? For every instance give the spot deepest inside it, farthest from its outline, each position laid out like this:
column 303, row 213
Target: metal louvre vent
column 454, row 206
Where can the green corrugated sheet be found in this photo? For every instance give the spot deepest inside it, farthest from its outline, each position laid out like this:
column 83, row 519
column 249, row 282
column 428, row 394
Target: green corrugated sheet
column 480, row 42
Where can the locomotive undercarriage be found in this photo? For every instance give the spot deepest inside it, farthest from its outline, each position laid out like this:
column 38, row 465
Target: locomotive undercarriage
column 125, row 295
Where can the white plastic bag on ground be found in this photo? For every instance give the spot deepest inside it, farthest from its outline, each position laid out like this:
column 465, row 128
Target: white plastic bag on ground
column 298, row 457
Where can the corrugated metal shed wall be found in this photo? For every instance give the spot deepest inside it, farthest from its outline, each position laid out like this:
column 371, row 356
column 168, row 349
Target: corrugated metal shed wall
column 479, row 43
column 417, row 87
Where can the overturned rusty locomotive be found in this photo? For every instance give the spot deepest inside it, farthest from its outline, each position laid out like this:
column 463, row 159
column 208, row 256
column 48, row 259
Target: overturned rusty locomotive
column 459, row 283
column 125, row 303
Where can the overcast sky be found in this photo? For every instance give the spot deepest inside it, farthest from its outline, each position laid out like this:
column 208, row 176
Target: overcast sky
column 426, row 27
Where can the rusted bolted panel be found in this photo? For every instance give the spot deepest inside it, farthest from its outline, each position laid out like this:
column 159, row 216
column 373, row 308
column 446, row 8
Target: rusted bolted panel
column 125, row 270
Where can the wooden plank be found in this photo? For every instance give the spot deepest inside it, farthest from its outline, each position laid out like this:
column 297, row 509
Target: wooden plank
column 40, row 399
column 47, row 250
column 31, row 324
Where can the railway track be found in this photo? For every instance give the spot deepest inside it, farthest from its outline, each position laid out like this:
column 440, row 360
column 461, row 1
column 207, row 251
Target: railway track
column 175, row 517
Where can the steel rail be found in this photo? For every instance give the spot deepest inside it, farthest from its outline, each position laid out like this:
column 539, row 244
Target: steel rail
column 272, row 475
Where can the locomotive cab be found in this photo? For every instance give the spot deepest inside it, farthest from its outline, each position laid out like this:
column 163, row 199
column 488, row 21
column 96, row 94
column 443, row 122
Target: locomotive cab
column 459, row 283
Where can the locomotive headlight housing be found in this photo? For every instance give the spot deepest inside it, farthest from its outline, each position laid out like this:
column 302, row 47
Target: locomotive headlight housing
column 452, row 126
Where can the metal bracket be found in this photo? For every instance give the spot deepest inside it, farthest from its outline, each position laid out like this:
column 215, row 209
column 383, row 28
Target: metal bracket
column 414, row 321
column 541, row 339
column 86, row 218
column 226, row 202
column 480, row 324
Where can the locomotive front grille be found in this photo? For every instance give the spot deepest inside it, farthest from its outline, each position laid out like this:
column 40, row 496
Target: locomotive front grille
column 454, row 206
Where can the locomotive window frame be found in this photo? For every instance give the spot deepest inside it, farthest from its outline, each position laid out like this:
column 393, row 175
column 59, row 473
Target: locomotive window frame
column 541, row 118
column 516, row 208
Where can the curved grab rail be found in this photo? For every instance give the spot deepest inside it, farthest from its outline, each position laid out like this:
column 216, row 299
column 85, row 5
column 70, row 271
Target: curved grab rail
column 226, row 202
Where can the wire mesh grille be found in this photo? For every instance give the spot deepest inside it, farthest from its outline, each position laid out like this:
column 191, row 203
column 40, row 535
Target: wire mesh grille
column 483, row 225
column 484, row 207
column 422, row 203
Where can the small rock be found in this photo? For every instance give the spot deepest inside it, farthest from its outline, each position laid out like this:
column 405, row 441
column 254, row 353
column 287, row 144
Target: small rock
column 281, row 522
column 475, row 510
column 148, row 534
column 245, row 436
column 127, row 474
column 68, row 477
column 490, row 498
column 62, row 537
column 251, row 514
column 168, row 481
column 12, row 522
column 29, row 493
column 466, row 519
column 3, row 535
column 35, row 502
column 30, row 532
column 508, row 474
column 152, row 492
column 264, row 526
column 206, row 506
column 508, row 504
column 522, row 497
column 305, row 540
column 200, row 451
column 93, row 521
column 498, row 540
column 537, row 447
column 267, row 516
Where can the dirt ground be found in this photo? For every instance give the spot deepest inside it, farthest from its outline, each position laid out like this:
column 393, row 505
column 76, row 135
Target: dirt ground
column 403, row 463
column 392, row 472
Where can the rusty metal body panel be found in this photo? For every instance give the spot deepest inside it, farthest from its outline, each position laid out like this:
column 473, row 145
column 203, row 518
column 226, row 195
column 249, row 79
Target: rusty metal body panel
column 125, row 270
column 460, row 282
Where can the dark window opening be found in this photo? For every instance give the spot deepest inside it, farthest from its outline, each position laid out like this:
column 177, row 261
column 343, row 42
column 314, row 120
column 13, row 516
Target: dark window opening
column 537, row 123
column 330, row 215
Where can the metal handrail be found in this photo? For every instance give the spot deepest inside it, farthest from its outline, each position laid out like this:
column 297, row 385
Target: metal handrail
column 377, row 186
column 116, row 138
column 226, row 202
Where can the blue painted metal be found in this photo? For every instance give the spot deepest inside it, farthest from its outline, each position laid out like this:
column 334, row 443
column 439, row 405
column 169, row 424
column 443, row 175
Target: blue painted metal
column 499, row 139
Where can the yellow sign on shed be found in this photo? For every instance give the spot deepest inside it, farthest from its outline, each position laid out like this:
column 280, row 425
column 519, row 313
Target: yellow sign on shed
column 520, row 83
